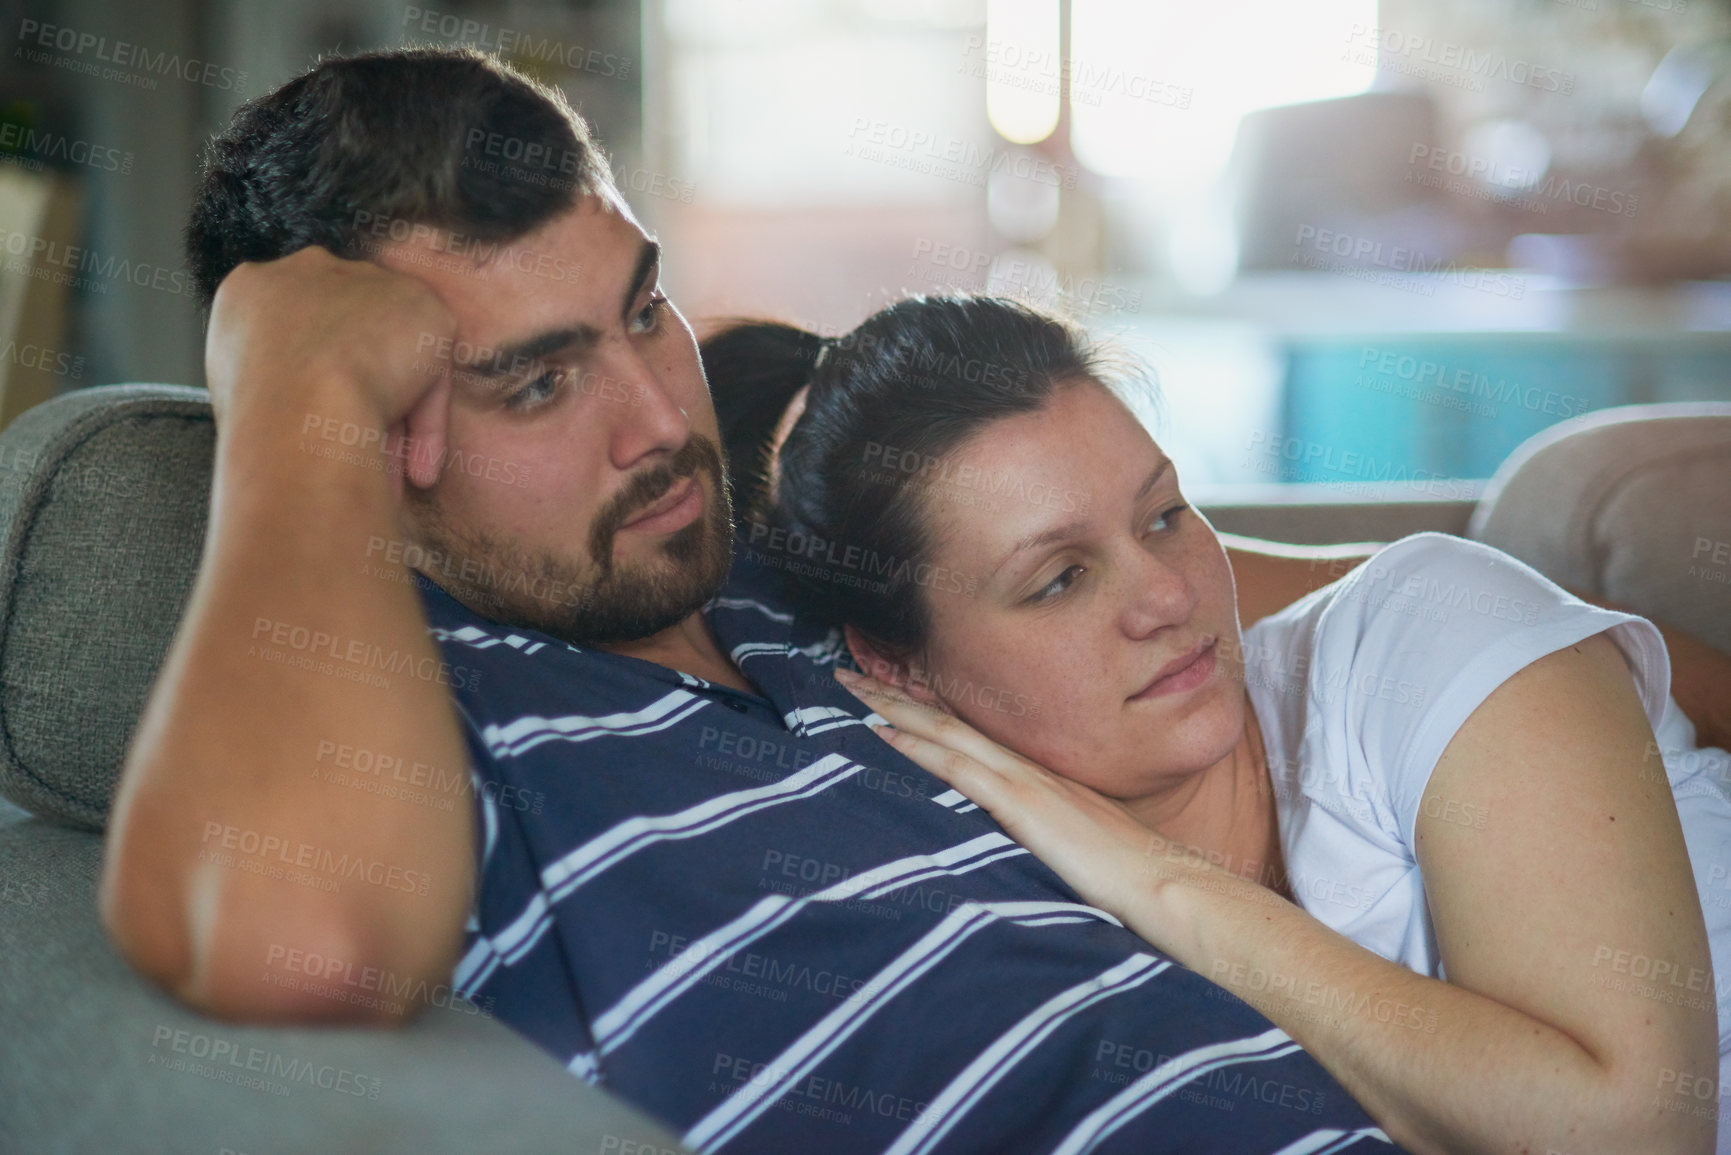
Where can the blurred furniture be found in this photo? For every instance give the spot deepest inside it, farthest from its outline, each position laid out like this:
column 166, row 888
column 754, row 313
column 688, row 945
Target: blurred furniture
column 38, row 228
column 1343, row 164
column 103, row 520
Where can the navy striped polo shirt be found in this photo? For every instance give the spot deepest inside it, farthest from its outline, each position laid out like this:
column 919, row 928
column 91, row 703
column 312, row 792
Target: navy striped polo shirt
column 756, row 920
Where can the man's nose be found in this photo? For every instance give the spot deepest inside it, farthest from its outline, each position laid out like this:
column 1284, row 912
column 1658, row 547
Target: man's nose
column 650, row 416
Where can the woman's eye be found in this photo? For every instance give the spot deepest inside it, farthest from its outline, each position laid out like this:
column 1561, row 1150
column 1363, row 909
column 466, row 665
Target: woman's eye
column 1169, row 516
column 649, row 316
column 1057, row 585
column 537, row 392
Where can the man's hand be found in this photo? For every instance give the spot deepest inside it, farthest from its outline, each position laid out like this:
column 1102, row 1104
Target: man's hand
column 284, row 331
column 228, row 775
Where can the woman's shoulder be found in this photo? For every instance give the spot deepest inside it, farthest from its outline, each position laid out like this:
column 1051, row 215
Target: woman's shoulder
column 1444, row 582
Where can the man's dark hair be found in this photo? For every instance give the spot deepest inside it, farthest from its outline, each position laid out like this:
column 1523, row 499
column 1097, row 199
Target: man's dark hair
column 359, row 150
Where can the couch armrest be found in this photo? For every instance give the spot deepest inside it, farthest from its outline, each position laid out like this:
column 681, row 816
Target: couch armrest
column 95, row 1059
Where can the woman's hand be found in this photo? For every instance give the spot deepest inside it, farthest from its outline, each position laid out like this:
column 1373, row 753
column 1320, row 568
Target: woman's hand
column 1094, row 842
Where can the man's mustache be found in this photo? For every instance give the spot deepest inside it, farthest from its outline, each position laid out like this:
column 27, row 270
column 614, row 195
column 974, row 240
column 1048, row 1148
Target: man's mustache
column 649, row 487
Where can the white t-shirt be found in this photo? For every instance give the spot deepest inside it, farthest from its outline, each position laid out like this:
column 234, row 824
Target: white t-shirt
column 1359, row 687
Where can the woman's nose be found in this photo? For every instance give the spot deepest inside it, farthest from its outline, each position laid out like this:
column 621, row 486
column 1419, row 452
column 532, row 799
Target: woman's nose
column 1159, row 594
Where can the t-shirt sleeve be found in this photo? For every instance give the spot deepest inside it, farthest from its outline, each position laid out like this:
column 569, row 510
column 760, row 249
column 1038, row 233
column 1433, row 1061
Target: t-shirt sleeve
column 1418, row 636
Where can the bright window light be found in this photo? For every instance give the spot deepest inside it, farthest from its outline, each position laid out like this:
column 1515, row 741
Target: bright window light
column 1157, row 87
column 1023, row 68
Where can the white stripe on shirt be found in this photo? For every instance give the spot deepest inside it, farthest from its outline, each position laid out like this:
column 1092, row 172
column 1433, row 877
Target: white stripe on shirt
column 1014, row 1045
column 1120, row 1109
column 524, row 734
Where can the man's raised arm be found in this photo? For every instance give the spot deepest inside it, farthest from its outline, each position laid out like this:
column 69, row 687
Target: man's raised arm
column 231, row 852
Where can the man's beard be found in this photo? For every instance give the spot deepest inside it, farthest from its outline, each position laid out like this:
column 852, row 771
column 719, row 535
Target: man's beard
column 601, row 603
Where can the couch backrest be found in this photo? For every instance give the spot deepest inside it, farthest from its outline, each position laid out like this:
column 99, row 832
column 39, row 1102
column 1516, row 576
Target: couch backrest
column 104, row 494
column 1631, row 504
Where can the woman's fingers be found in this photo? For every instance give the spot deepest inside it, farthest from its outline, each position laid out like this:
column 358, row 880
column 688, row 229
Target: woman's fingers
column 976, row 782
column 931, row 724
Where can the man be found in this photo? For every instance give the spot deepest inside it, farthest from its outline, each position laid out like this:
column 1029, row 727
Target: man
column 677, row 859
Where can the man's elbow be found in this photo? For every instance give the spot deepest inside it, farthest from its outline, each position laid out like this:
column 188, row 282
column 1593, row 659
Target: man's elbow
column 248, row 961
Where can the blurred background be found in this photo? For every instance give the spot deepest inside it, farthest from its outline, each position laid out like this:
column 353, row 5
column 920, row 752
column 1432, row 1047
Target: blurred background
column 1362, row 243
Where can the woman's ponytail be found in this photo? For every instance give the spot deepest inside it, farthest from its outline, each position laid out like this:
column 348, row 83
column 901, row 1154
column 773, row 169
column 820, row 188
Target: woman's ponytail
column 754, row 369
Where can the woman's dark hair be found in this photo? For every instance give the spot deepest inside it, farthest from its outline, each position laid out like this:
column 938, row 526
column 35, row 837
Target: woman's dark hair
column 356, row 152
column 889, row 402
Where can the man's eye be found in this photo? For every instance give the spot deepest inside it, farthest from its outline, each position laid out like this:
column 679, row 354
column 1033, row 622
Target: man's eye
column 650, row 315
column 1056, row 586
column 537, row 392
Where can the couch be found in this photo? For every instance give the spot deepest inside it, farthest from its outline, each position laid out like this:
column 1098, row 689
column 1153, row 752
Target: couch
column 103, row 496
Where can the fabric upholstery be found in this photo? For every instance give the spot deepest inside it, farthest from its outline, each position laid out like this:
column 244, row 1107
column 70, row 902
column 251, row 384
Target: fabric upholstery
column 91, row 1051
column 1630, row 504
column 103, row 499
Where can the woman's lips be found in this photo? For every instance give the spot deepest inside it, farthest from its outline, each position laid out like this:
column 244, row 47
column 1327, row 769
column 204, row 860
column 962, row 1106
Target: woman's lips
column 1181, row 674
column 678, row 507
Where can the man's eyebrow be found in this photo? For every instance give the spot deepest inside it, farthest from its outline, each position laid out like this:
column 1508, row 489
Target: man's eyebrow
column 648, row 262
column 1073, row 527
column 568, row 338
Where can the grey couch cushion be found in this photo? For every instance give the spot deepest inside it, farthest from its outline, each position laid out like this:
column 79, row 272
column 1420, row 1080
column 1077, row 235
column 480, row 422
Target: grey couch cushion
column 1632, row 504
column 103, row 500
column 95, row 1059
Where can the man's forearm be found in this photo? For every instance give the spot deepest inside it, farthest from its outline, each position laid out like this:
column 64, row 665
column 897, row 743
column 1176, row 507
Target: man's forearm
column 229, row 845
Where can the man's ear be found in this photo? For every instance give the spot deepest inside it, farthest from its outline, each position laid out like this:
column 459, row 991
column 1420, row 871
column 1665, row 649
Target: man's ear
column 870, row 658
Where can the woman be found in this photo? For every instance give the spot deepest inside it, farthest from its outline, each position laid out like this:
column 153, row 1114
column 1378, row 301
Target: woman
column 1413, row 818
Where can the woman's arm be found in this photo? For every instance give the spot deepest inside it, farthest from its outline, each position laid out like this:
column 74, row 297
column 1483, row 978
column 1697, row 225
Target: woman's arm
column 1525, row 1046
column 1579, row 863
